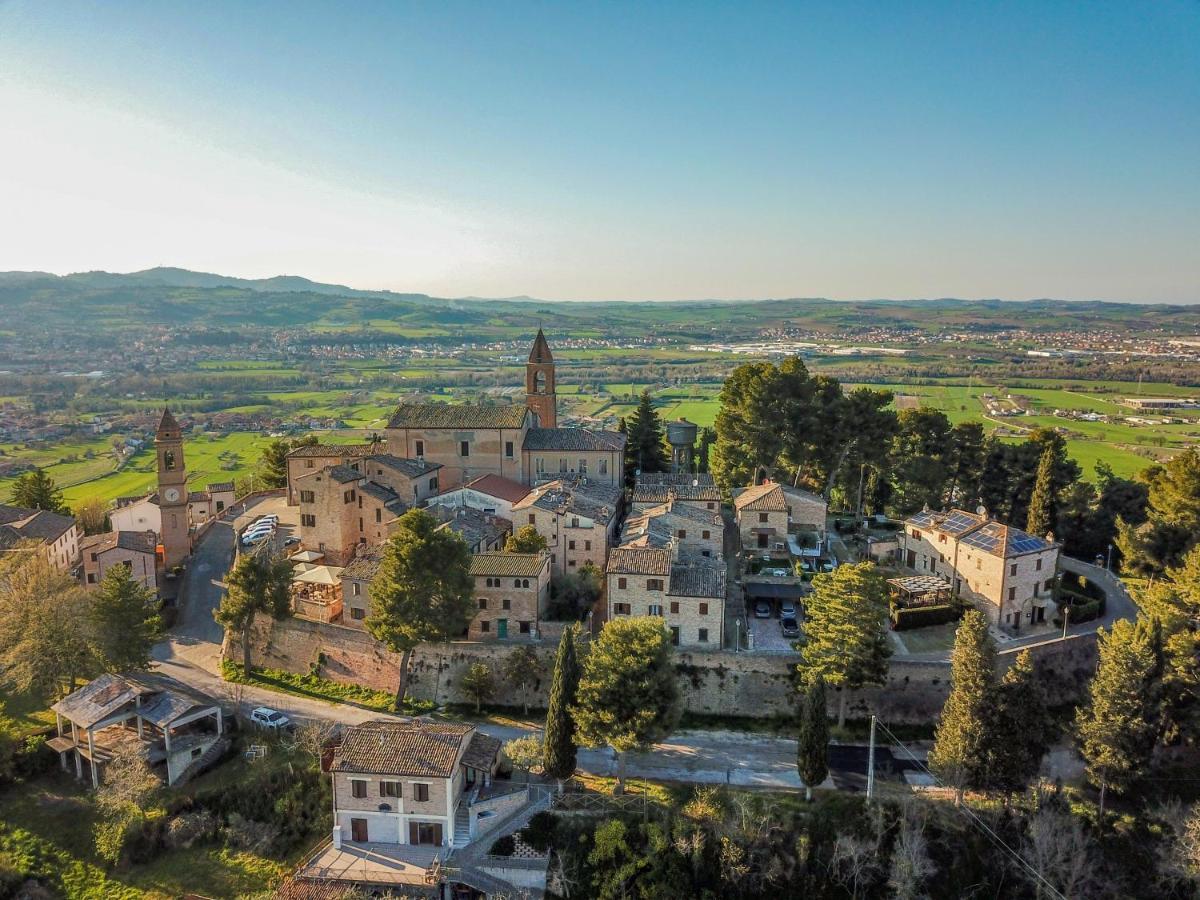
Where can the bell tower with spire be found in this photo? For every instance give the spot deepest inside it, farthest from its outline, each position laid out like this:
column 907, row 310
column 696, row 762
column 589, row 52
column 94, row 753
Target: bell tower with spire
column 539, row 383
column 172, row 490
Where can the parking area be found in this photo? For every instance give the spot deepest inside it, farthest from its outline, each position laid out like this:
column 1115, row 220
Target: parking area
column 767, row 636
column 286, row 530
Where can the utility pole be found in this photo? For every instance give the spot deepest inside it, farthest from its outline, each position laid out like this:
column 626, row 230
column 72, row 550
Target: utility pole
column 1066, row 619
column 871, row 765
column 858, row 511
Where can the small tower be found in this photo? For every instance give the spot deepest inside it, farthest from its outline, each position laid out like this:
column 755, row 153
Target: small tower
column 539, row 383
column 681, row 436
column 172, row 491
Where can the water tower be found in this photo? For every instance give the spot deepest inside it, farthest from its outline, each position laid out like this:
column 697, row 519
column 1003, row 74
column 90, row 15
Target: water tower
column 681, row 436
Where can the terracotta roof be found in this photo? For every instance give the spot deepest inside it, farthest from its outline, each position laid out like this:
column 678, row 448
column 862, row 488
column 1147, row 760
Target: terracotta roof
column 365, row 566
column 765, row 497
column 573, row 440
column 477, row 528
column 481, row 752
column 139, row 541
column 509, row 565
column 697, row 577
column 333, row 450
column 658, row 487
column 197, row 496
column 540, row 351
column 639, row 561
column 339, row 473
column 167, row 423
column 499, row 487
column 460, row 415
column 410, row 468
column 220, row 487
column 418, row 749
column 566, row 495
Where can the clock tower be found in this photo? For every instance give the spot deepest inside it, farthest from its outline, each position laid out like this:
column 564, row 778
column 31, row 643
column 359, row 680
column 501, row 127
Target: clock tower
column 172, row 491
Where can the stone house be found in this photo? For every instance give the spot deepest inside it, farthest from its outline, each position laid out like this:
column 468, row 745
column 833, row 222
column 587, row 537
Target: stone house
column 413, row 480
column 341, row 510
column 306, row 460
column 598, row 456
column 696, row 529
column 1004, row 572
column 482, row 531
column 578, row 518
column 356, row 585
column 656, row 488
column 687, row 591
column 766, row 513
column 512, row 592
column 143, row 512
column 57, row 535
column 408, row 782
column 137, row 550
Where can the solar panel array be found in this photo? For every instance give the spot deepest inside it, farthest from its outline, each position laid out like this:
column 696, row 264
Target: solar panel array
column 1004, row 540
column 958, row 522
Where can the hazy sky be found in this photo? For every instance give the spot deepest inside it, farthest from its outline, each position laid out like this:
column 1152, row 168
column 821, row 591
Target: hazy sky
column 612, row 151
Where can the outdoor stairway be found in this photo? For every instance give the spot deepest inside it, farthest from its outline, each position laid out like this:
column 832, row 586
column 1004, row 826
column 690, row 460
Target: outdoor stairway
column 211, row 755
column 462, row 826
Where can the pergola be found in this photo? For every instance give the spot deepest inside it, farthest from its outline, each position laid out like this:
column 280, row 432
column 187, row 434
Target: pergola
column 919, row 590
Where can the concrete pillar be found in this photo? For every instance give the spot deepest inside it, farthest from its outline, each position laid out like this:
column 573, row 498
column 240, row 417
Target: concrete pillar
column 92, row 759
column 337, row 837
column 220, row 721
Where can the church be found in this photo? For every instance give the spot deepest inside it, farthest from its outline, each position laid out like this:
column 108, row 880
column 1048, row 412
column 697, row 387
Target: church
column 519, row 442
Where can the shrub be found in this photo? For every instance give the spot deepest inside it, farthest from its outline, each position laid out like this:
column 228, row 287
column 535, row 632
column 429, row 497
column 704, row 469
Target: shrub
column 503, row 846
column 1083, row 609
column 921, row 616
column 539, row 833
column 188, row 828
column 246, row 834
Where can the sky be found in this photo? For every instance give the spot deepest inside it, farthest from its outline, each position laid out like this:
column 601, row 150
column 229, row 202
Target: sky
column 612, row 150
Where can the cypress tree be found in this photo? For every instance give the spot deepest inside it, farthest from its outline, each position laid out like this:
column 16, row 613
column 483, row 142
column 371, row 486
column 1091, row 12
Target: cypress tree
column 1018, row 728
column 959, row 743
column 812, row 752
column 1043, row 503
column 559, row 747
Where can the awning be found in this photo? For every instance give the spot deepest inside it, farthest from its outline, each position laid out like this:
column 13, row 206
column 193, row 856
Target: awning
column 320, row 575
column 306, row 556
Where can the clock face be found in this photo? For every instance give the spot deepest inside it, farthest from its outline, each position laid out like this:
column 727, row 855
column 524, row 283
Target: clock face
column 171, row 495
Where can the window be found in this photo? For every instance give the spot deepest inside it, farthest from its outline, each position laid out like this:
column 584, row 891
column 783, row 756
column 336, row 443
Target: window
column 358, row 613
column 506, row 603
column 378, row 514
column 675, row 635
column 420, row 448
column 583, row 467
column 92, row 575
column 1037, row 567
column 587, row 545
column 532, row 519
column 620, row 609
column 706, row 535
column 508, row 449
column 574, row 521
column 941, row 539
column 654, row 584
column 307, row 497
column 360, row 523
column 916, row 534
column 464, row 448
column 571, row 563
column 682, row 533
column 762, row 517
column 539, row 465
column 704, row 609
column 308, row 521
column 348, row 496
column 483, row 602
column 654, row 609
column 433, row 484
column 562, row 464
column 570, row 545
column 356, row 589
column 197, row 752
column 1035, row 590
column 168, row 459
column 485, row 626
column 1012, row 570
column 674, row 607
column 703, row 635
column 358, row 788
column 622, row 583
column 1049, row 584
column 390, row 789
column 421, row 793
column 604, row 467
column 712, row 506
column 309, row 464
column 524, row 627
column 1012, row 593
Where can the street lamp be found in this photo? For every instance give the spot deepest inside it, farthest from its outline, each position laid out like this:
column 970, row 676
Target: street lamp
column 1108, row 563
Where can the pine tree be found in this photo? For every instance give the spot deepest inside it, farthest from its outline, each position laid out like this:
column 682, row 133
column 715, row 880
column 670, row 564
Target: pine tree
column 959, row 742
column 1043, row 504
column 845, row 639
column 123, row 622
column 645, row 448
column 257, row 583
column 1116, row 728
column 1018, row 728
column 559, row 747
column 37, row 490
column 812, row 752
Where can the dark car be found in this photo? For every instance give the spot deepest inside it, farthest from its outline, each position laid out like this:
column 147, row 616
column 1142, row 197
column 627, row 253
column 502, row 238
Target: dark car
column 789, row 627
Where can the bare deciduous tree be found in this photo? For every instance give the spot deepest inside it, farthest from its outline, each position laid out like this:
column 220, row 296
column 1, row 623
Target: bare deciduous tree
column 911, row 865
column 1060, row 851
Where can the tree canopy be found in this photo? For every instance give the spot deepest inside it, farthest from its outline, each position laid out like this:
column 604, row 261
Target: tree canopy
column 525, row 540
column 124, row 622
column 559, row 746
column 257, row 583
column 645, row 449
column 1172, row 524
column 960, row 740
column 36, row 490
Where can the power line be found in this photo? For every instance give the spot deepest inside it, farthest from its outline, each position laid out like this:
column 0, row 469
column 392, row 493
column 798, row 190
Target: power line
column 966, row 810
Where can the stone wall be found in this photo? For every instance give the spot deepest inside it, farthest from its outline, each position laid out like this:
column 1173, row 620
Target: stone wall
column 757, row 685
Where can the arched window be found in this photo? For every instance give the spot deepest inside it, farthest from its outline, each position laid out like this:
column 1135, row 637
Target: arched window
column 539, row 382
column 168, row 460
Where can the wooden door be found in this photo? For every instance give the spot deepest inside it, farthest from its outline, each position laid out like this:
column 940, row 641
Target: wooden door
column 358, row 830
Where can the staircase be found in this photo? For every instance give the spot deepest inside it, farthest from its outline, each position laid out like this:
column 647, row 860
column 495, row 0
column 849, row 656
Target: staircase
column 211, row 755
column 462, row 826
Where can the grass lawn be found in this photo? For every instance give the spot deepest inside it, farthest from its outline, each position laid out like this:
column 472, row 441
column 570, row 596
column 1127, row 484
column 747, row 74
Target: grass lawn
column 930, row 639
column 24, row 712
column 319, row 688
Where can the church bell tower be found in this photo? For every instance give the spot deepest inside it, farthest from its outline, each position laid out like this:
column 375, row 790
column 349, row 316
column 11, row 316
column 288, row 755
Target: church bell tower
column 172, row 491
column 539, row 383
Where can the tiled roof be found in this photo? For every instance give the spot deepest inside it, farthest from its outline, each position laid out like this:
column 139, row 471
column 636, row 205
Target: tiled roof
column 38, row 524
column 9, row 537
column 134, row 499
column 697, row 577
column 334, row 450
column 385, row 495
column 416, row 749
column 1004, row 540
column 365, row 566
column 765, row 497
column 410, row 468
column 639, row 561
column 801, row 494
column 540, row 351
column 481, row 752
column 197, row 496
column 167, row 423
column 657, row 525
column 565, row 495
column 13, row 513
column 140, row 541
column 220, row 487
column 509, row 565
column 460, row 415
column 342, row 474
column 498, row 486
column 955, row 522
column 478, row 529
column 658, row 487
column 572, row 440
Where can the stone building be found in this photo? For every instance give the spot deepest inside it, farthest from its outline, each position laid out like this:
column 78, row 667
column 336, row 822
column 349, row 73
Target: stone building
column 766, row 513
column 341, row 510
column 136, row 550
column 687, row 591
column 1004, row 572
column 512, row 591
column 696, row 529
column 56, row 535
column 491, row 494
column 656, row 488
column 308, row 459
column 577, row 517
column 482, row 531
column 356, row 585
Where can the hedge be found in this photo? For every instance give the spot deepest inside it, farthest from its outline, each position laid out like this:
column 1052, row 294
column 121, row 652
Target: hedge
column 904, row 618
column 1083, row 609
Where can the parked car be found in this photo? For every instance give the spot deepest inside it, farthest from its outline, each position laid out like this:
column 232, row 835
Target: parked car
column 806, row 566
column 271, row 519
column 292, row 541
column 787, row 609
column 762, row 610
column 265, row 717
column 790, row 627
column 827, row 565
column 777, row 573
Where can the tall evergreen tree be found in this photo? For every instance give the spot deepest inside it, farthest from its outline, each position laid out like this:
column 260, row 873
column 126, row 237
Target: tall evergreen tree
column 37, row 490
column 812, row 752
column 258, row 583
column 423, row 591
column 1017, row 728
column 959, row 742
column 1116, row 727
column 845, row 638
column 272, row 465
column 965, row 453
column 123, row 622
column 1043, row 504
column 559, row 748
column 645, row 450
column 749, row 425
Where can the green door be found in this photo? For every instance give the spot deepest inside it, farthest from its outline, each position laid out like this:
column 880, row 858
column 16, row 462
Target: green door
column 502, row 628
